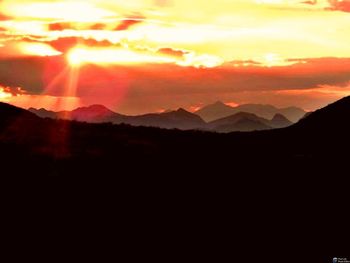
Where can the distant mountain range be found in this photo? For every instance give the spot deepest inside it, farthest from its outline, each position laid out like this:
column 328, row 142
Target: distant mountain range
column 220, row 110
column 318, row 139
column 243, row 121
column 179, row 119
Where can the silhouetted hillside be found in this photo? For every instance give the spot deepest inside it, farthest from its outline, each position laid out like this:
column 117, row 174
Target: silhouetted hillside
column 268, row 177
column 12, row 117
column 331, row 119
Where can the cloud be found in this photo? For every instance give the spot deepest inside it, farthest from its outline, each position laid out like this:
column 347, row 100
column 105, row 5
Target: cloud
column 8, row 93
column 172, row 52
column 340, row 5
column 163, row 3
column 64, row 44
column 13, row 91
column 60, row 26
column 126, row 24
column 4, row 17
column 98, row 26
column 155, row 79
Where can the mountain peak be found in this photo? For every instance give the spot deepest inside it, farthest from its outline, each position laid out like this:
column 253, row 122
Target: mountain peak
column 96, row 107
column 182, row 110
column 279, row 117
column 219, row 103
column 280, row 121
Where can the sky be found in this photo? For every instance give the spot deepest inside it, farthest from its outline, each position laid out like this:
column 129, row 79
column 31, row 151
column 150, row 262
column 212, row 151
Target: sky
column 142, row 56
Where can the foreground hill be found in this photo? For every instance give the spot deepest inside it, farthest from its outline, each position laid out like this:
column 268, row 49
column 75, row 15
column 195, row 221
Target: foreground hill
column 274, row 183
column 333, row 119
column 220, row 110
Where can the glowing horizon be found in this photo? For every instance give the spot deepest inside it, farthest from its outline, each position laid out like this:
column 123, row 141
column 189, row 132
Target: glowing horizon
column 255, row 38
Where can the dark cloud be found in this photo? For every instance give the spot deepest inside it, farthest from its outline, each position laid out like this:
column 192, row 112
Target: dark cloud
column 171, row 84
column 23, row 72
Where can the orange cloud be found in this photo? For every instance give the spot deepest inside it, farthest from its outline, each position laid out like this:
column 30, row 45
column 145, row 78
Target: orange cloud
column 126, row 24
column 341, row 5
column 7, row 93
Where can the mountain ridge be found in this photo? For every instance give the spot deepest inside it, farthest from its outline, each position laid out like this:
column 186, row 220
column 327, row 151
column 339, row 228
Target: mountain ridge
column 176, row 119
column 220, row 110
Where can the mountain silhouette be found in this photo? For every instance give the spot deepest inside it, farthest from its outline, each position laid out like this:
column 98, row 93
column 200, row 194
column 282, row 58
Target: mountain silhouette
column 280, row 121
column 179, row 119
column 332, row 119
column 93, row 113
column 11, row 116
column 215, row 111
column 320, row 138
column 43, row 113
column 220, row 110
column 242, row 121
column 9, row 112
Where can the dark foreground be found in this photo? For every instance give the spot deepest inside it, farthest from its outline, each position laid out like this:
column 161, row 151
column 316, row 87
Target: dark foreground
column 258, row 189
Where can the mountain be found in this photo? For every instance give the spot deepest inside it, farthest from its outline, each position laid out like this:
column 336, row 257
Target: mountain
column 302, row 149
column 330, row 120
column 240, row 122
column 92, row 114
column 214, row 111
column 43, row 113
column 11, row 116
column 293, row 114
column 12, row 113
column 253, row 183
column 220, row 110
column 280, row 121
column 179, row 119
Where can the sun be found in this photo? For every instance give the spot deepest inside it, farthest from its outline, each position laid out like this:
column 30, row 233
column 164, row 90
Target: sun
column 76, row 57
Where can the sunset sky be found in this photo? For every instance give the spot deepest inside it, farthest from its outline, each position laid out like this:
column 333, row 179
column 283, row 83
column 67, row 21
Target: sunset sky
column 141, row 56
